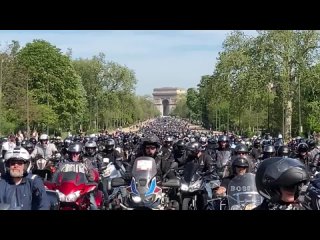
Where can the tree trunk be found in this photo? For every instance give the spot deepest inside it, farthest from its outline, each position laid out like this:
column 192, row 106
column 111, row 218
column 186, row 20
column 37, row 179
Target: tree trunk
column 288, row 120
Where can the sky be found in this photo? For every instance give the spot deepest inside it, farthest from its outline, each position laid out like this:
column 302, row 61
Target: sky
column 159, row 58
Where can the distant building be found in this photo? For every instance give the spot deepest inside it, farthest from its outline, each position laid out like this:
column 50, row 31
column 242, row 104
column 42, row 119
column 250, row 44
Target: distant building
column 165, row 99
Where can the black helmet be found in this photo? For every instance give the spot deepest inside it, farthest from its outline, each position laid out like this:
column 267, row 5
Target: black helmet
column 240, row 162
column 241, row 148
column 90, row 148
column 151, row 140
column 67, row 142
column 168, row 139
column 223, row 138
column 302, row 147
column 33, row 140
column 212, row 141
column 75, row 147
column 109, row 144
column 268, row 151
column 194, row 148
column 29, row 147
column 283, row 151
column 311, row 143
column 277, row 172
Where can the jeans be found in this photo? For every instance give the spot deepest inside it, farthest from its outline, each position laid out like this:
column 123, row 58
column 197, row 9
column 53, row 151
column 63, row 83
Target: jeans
column 93, row 205
column 209, row 190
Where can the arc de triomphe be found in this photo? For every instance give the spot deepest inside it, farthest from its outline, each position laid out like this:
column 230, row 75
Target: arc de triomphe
column 165, row 99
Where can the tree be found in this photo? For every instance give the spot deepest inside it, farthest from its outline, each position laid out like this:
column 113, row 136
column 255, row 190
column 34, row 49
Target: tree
column 54, row 82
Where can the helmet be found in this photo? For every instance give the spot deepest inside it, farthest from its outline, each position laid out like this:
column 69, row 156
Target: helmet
column 90, row 148
column 241, row 148
column 283, row 151
column 180, row 146
column 302, row 147
column 24, row 143
column 110, row 143
column 194, row 148
column 223, row 138
column 33, row 140
column 168, row 139
column 75, row 148
column 43, row 137
column 277, row 172
column 67, row 142
column 311, row 143
column 151, row 140
column 268, row 151
column 240, row 162
column 18, row 153
column 29, row 147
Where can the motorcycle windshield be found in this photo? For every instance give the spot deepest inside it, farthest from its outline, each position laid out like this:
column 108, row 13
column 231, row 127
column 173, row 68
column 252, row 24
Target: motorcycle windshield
column 143, row 173
column 242, row 193
column 189, row 173
column 76, row 178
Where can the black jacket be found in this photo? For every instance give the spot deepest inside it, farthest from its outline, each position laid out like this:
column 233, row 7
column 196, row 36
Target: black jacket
column 267, row 205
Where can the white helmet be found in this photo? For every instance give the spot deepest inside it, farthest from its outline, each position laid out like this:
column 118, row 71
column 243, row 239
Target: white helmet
column 18, row 153
column 43, row 137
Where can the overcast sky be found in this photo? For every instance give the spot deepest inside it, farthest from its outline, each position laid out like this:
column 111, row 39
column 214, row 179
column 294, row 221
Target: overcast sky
column 173, row 58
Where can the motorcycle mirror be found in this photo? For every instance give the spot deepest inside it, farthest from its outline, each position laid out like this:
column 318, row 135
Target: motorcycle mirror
column 118, row 182
column 172, row 183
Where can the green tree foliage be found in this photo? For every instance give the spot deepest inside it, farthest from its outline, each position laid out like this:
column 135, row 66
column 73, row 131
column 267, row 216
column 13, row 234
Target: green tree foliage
column 42, row 88
column 265, row 83
column 54, row 82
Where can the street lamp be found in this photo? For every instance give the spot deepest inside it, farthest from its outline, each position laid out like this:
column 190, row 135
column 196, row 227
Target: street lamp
column 270, row 87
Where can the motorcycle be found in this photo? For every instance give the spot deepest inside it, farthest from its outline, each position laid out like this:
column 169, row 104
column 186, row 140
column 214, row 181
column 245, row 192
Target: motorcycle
column 144, row 193
column 108, row 171
column 193, row 187
column 310, row 197
column 73, row 190
column 242, row 193
column 45, row 167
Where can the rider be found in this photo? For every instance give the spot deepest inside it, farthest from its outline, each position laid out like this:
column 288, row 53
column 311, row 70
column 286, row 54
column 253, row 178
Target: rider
column 84, row 164
column 240, row 166
column 279, row 180
column 17, row 188
column 90, row 148
column 205, row 164
column 44, row 149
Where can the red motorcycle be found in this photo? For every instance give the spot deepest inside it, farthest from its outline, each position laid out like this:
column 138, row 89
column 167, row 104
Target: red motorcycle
column 74, row 191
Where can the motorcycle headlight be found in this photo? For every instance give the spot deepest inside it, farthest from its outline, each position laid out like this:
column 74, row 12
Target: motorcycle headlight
column 62, row 197
column 72, row 197
column 136, row 199
column 184, row 187
column 250, row 206
column 195, row 186
column 235, row 207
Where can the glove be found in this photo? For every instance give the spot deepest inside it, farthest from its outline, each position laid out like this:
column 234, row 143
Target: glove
column 127, row 176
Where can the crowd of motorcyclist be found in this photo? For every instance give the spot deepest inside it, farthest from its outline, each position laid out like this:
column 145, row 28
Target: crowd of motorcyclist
column 284, row 174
